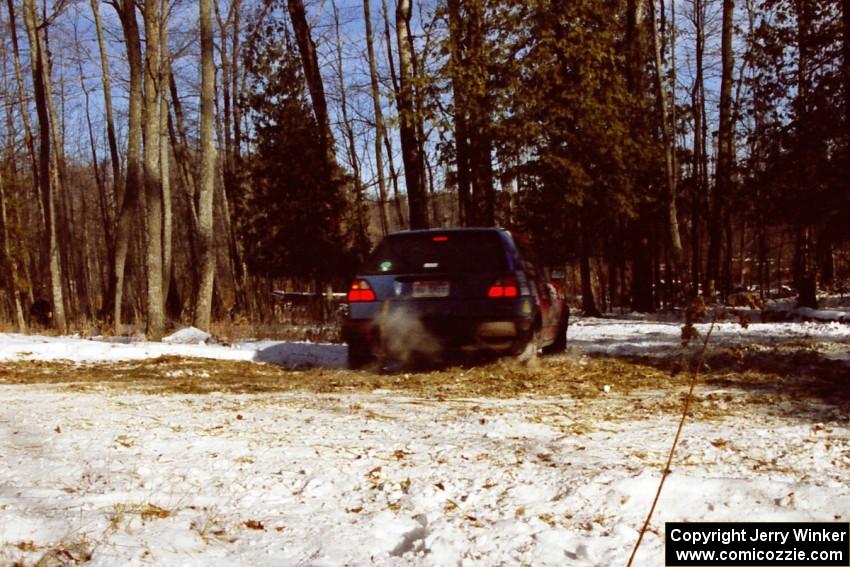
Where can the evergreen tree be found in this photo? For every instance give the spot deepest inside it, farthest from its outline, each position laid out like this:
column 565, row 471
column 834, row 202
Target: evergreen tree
column 570, row 119
column 294, row 212
column 798, row 70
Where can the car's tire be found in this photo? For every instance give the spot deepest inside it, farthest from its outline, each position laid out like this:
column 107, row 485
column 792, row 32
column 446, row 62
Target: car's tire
column 560, row 342
column 359, row 354
column 526, row 352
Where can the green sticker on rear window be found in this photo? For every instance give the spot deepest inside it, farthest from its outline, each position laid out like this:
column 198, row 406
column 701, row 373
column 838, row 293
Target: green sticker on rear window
column 386, row 266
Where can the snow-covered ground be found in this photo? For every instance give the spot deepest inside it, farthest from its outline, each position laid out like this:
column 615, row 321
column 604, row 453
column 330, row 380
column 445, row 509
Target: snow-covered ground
column 388, row 478
column 644, row 338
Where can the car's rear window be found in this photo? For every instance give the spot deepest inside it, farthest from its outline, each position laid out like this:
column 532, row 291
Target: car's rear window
column 450, row 252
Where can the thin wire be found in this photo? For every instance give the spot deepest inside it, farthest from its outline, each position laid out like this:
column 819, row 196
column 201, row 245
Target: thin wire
column 694, row 376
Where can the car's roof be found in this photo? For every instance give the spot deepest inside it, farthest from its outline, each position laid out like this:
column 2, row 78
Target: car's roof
column 450, row 229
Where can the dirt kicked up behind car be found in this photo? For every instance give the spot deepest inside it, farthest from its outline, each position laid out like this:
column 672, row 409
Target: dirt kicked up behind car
column 429, row 295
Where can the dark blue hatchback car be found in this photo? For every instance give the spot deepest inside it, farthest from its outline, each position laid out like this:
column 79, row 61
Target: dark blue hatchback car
column 429, row 293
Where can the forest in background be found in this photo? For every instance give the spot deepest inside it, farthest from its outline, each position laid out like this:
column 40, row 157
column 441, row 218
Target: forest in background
column 171, row 161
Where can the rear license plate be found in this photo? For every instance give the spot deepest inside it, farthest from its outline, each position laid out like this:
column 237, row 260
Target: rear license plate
column 430, row 289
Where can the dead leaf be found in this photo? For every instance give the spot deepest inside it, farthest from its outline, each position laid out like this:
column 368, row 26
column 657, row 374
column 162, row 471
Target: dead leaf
column 254, row 525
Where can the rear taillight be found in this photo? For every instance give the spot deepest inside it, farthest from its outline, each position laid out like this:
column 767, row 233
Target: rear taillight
column 360, row 291
column 506, row 286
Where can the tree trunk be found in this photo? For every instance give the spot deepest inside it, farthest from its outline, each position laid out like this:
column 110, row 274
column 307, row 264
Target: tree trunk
column 725, row 156
column 668, row 132
column 153, row 175
column 417, row 199
column 845, row 16
column 29, row 139
column 643, row 298
column 47, row 173
column 805, row 265
column 165, row 158
column 478, row 119
column 234, row 88
column 359, row 198
column 133, row 182
column 699, row 169
column 387, row 142
column 399, row 210
column 588, row 303
column 805, row 273
column 10, row 261
column 101, row 189
column 379, row 120
column 459, row 96
column 107, row 97
column 310, row 63
column 203, row 302
column 226, row 81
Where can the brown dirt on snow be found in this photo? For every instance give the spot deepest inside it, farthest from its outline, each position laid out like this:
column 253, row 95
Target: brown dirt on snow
column 730, row 380
column 567, row 376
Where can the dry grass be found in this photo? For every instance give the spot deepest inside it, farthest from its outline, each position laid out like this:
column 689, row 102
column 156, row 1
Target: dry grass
column 802, row 382
column 582, row 377
column 246, row 330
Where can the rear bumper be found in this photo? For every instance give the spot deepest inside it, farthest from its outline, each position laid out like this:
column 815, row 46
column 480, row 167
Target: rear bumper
column 451, row 333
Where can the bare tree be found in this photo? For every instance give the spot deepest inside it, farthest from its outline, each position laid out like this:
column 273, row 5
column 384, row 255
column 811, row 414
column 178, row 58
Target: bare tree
column 456, row 42
column 29, row 139
column 47, row 172
column 700, row 134
column 417, row 198
column 387, row 141
column 153, row 179
column 379, row 119
column 725, row 153
column 310, row 64
column 106, row 210
column 107, row 98
column 203, row 301
column 130, row 202
column 845, row 16
column 348, row 129
column 668, row 132
column 165, row 153
column 10, row 260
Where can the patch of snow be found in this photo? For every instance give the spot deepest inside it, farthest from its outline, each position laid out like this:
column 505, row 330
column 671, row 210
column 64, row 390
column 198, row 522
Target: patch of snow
column 304, row 479
column 187, row 336
column 379, row 478
column 643, row 338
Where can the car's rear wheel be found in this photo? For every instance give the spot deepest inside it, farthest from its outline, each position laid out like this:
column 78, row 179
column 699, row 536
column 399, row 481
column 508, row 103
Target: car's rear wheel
column 359, row 354
column 560, row 342
column 526, row 352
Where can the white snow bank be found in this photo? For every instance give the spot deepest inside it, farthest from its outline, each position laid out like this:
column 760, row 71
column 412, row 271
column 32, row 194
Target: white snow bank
column 629, row 337
column 187, row 336
column 33, row 347
column 809, row 314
